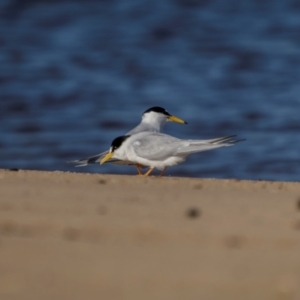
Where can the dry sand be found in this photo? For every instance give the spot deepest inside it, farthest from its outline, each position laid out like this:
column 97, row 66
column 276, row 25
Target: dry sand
column 82, row 236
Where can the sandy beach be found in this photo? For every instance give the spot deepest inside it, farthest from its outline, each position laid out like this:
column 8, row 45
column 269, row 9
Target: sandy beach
column 87, row 236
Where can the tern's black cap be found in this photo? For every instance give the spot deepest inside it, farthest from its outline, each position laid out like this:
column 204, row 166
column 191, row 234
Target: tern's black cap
column 157, row 109
column 117, row 142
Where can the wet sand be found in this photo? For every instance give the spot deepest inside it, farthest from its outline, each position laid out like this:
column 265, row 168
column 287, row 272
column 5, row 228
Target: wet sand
column 84, row 236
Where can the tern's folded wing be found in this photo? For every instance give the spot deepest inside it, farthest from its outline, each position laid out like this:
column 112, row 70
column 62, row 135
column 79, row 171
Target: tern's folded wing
column 156, row 146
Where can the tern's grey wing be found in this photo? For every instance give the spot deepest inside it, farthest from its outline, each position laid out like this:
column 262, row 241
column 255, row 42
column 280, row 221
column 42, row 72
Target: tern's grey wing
column 89, row 160
column 195, row 146
column 156, row 146
column 226, row 139
column 142, row 127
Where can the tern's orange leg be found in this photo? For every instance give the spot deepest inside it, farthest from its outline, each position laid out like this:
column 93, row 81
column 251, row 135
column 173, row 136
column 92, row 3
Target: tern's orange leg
column 148, row 172
column 163, row 172
column 138, row 168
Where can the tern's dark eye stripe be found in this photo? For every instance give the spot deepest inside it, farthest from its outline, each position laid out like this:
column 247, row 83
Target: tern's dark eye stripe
column 157, row 109
column 117, row 142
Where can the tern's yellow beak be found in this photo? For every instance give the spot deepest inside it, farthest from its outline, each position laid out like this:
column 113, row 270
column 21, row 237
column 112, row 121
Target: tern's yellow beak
column 106, row 157
column 175, row 119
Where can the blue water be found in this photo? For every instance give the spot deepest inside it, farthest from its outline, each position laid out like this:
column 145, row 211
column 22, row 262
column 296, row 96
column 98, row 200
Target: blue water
column 76, row 74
